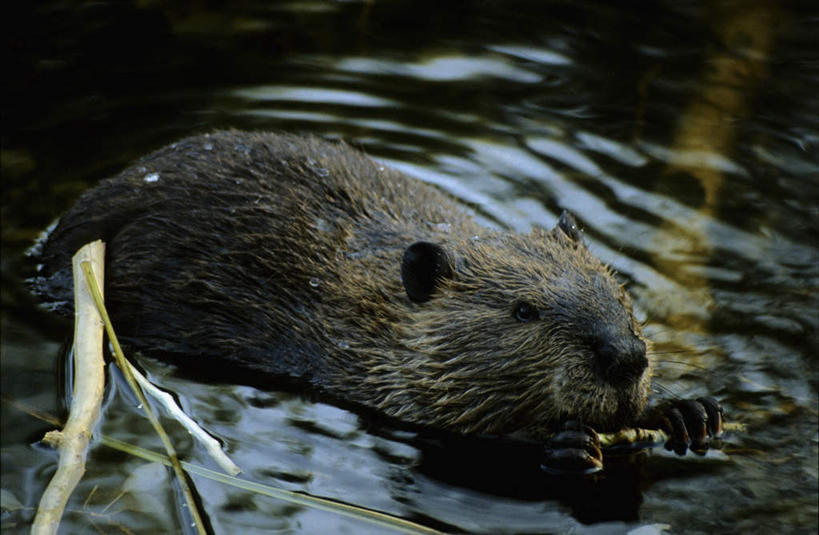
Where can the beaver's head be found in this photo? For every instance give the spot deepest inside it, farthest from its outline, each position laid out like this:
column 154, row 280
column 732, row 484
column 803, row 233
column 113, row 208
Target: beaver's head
column 512, row 333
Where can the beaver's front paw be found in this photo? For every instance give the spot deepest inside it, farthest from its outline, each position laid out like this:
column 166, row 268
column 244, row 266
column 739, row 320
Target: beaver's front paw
column 574, row 450
column 693, row 424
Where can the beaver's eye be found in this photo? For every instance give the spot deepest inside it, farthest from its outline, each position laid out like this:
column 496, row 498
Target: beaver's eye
column 525, row 312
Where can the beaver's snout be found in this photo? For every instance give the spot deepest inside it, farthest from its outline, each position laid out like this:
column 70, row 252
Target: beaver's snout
column 620, row 358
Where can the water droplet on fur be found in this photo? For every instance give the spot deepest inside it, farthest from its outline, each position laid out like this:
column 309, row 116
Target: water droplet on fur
column 141, row 169
column 323, row 225
column 151, row 177
column 322, row 172
column 381, row 168
column 208, row 146
column 237, row 181
column 443, row 227
column 344, row 344
column 314, row 282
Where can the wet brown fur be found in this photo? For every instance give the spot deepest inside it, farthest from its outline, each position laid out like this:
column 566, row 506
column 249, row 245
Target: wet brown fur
column 283, row 254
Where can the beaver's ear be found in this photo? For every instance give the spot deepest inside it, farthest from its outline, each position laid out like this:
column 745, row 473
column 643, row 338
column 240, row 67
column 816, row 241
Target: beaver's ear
column 568, row 225
column 423, row 266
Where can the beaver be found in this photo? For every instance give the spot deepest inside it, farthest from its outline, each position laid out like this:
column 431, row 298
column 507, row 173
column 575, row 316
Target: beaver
column 297, row 257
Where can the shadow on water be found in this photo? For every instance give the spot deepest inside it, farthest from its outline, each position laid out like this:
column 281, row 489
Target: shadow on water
column 682, row 135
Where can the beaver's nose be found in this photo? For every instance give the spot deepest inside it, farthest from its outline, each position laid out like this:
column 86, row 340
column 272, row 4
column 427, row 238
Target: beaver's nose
column 620, row 356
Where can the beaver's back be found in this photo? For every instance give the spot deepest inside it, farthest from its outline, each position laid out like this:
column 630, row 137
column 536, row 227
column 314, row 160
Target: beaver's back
column 222, row 236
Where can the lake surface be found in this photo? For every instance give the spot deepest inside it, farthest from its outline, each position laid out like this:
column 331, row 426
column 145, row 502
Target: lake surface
column 684, row 136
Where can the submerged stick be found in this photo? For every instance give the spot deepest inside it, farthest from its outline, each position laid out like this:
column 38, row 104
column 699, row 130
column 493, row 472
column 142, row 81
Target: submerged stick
column 89, row 382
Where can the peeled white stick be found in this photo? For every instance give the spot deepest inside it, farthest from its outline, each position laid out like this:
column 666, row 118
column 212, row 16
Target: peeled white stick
column 211, row 444
column 89, row 382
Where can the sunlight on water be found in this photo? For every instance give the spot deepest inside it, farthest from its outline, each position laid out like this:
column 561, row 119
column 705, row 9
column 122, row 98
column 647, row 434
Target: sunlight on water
column 441, row 69
column 301, row 94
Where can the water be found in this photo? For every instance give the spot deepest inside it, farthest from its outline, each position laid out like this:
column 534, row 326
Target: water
column 683, row 136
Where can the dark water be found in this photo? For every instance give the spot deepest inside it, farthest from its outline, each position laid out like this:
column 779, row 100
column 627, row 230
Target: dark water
column 684, row 136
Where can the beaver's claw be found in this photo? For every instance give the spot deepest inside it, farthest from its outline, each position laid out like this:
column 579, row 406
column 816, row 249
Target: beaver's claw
column 693, row 424
column 574, row 450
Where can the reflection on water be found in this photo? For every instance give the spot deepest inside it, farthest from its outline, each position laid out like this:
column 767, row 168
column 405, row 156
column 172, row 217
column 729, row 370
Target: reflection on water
column 684, row 137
